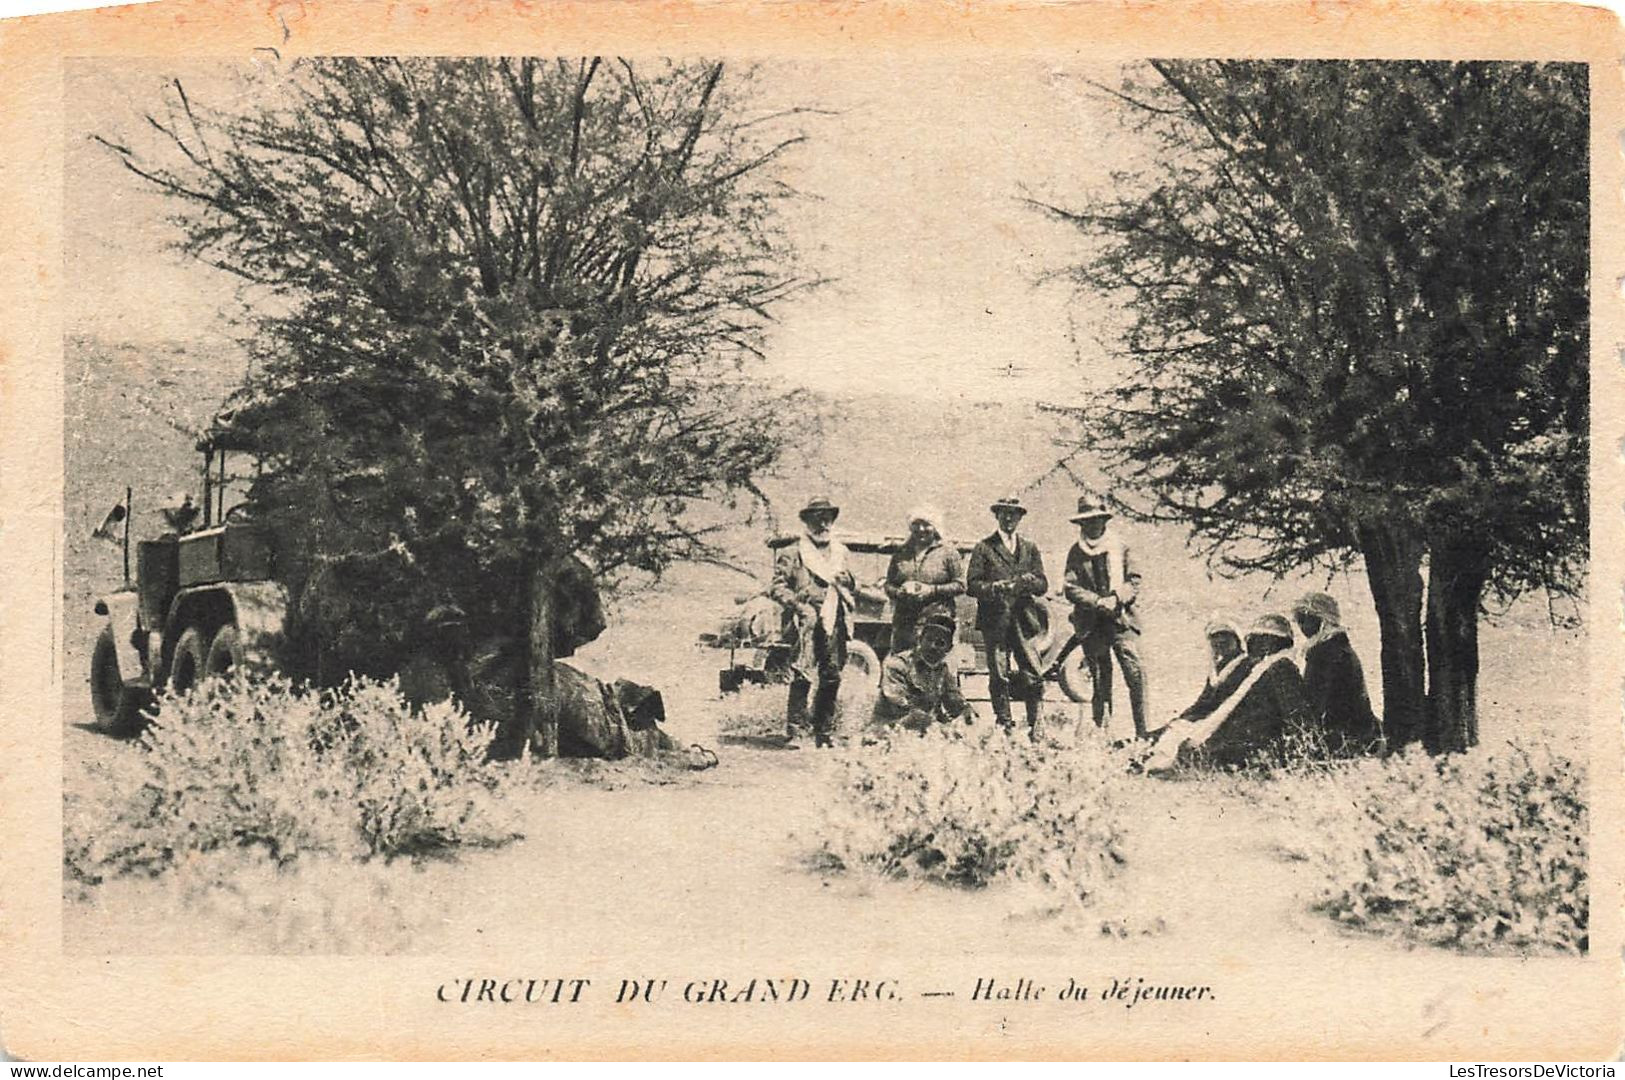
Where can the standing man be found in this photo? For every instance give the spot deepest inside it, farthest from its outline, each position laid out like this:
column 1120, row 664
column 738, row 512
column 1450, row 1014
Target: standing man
column 1006, row 574
column 923, row 578
column 1102, row 583
column 811, row 580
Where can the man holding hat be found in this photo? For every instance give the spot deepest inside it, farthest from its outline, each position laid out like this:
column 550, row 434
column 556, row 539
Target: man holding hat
column 1006, row 574
column 1102, row 583
column 811, row 580
column 917, row 689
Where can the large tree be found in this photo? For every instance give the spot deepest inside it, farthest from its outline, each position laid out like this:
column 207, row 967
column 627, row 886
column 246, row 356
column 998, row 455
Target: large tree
column 506, row 311
column 1355, row 320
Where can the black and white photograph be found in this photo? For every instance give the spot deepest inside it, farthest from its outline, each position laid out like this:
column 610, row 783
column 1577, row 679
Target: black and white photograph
column 689, row 550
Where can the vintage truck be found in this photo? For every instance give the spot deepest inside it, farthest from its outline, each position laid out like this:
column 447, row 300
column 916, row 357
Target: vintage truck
column 203, row 600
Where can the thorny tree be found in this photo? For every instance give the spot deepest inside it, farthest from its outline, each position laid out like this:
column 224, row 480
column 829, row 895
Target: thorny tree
column 1356, row 322
column 513, row 305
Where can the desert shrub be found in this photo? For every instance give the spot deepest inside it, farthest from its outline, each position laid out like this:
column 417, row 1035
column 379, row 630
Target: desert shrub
column 1479, row 851
column 354, row 771
column 974, row 806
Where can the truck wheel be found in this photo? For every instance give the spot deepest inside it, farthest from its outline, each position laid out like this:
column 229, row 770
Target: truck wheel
column 117, row 706
column 189, row 663
column 862, row 665
column 225, row 654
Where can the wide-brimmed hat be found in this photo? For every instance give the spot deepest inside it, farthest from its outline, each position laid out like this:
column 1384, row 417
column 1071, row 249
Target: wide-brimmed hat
column 1089, row 506
column 1271, row 626
column 1009, row 502
column 821, row 503
column 1033, row 635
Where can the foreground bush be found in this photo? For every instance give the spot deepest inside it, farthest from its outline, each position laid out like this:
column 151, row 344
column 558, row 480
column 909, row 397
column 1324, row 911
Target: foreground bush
column 357, row 771
column 976, row 806
column 1479, row 851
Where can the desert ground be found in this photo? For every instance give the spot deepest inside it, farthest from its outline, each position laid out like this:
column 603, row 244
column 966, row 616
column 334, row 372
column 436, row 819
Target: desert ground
column 723, row 856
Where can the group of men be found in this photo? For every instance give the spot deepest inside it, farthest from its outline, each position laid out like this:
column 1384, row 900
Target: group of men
column 1255, row 697
column 1005, row 577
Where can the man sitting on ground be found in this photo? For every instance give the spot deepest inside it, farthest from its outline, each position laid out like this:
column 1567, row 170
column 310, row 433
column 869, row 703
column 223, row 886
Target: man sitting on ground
column 1335, row 680
column 917, row 687
column 1268, row 702
column 1228, row 665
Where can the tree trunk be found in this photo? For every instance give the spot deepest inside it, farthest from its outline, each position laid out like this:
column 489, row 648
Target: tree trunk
column 533, row 720
column 1455, row 585
column 540, row 701
column 1393, row 566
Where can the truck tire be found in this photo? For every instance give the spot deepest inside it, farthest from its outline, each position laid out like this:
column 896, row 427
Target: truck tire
column 225, row 653
column 189, row 664
column 116, row 705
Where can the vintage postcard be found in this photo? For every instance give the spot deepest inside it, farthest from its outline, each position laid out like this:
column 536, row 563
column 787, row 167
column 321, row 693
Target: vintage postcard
column 675, row 530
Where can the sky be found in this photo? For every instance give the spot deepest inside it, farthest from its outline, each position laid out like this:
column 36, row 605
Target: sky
column 914, row 181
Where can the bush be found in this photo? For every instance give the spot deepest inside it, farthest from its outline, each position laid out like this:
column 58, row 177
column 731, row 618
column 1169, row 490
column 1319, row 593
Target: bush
column 1478, row 851
column 356, row 771
column 974, row 807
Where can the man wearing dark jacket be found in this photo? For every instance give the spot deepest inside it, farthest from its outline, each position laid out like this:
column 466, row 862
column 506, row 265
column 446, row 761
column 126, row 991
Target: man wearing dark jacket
column 1006, row 573
column 1334, row 678
column 1102, row 582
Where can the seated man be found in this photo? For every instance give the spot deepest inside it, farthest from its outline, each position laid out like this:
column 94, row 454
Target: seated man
column 1228, row 664
column 1334, row 678
column 917, row 689
column 1267, row 702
